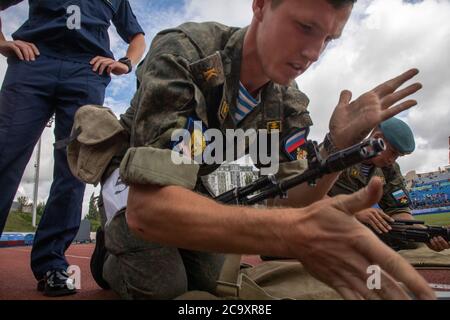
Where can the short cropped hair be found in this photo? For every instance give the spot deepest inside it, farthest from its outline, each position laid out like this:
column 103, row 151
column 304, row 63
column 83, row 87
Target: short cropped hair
column 336, row 3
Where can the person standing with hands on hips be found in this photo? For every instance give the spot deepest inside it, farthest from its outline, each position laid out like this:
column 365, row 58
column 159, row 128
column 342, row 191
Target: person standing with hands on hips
column 58, row 61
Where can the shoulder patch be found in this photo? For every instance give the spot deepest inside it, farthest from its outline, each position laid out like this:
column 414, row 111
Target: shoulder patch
column 193, row 140
column 208, row 72
column 223, row 110
column 401, row 197
column 293, row 143
column 274, row 125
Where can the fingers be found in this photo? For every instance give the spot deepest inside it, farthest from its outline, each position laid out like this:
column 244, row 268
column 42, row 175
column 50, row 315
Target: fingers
column 374, row 226
column 356, row 280
column 17, row 52
column 438, row 244
column 35, row 49
column 385, row 216
column 94, row 61
column 348, row 294
column 104, row 65
column 381, row 218
column 345, row 98
column 23, row 50
column 97, row 64
column 444, row 244
column 373, row 283
column 378, row 225
column 391, row 85
column 97, row 61
column 368, row 281
column 393, row 98
column 100, row 63
column 396, row 267
column 391, row 289
column 26, row 50
column 363, row 198
column 391, row 112
column 386, row 288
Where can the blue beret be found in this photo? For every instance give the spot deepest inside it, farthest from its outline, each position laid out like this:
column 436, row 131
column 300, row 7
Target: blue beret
column 399, row 135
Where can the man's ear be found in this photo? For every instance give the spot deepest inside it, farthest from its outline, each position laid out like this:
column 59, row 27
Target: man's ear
column 258, row 8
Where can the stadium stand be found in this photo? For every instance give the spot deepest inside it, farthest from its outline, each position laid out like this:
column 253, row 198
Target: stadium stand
column 429, row 193
column 16, row 239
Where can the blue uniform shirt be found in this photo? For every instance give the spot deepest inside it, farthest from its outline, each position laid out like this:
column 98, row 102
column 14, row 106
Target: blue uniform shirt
column 47, row 27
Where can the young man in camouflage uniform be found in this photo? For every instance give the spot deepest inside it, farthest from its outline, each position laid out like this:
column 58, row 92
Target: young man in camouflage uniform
column 162, row 245
column 399, row 140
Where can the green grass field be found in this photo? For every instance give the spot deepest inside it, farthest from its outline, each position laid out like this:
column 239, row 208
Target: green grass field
column 19, row 222
column 440, row 219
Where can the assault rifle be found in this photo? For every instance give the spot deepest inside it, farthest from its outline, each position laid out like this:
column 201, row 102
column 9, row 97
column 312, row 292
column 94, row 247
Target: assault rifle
column 269, row 187
column 404, row 232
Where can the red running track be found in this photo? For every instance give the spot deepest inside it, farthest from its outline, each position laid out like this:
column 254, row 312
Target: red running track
column 17, row 281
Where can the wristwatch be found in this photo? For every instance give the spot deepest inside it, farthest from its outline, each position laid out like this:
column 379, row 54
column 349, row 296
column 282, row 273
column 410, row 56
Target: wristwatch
column 327, row 147
column 126, row 61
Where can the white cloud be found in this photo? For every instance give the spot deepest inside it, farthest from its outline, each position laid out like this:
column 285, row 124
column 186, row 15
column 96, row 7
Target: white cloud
column 231, row 12
column 390, row 38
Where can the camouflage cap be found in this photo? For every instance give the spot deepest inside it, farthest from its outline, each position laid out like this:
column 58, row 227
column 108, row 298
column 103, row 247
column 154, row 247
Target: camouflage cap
column 399, row 135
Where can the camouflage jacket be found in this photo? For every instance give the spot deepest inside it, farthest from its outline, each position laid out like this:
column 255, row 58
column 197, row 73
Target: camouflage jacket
column 395, row 198
column 193, row 71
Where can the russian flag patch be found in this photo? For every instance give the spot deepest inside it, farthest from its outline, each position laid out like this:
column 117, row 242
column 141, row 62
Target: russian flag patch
column 294, row 142
column 401, row 197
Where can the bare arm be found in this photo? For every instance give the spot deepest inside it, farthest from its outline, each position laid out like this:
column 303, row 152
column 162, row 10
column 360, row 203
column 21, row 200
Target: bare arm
column 136, row 48
column 325, row 236
column 179, row 217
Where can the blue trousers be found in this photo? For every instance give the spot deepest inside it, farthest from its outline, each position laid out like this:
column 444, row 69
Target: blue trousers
column 31, row 93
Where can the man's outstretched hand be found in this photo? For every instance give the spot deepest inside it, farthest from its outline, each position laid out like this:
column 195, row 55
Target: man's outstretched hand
column 351, row 122
column 338, row 250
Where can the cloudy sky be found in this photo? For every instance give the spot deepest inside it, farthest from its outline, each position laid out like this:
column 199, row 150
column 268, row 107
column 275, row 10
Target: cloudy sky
column 382, row 39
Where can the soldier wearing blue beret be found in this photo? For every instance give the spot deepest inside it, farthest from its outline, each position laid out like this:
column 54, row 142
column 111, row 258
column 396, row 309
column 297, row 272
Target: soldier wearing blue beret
column 58, row 61
column 395, row 203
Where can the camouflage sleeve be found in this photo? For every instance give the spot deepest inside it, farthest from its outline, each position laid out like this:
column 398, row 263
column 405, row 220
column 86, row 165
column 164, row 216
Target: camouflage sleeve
column 166, row 98
column 296, row 122
column 395, row 198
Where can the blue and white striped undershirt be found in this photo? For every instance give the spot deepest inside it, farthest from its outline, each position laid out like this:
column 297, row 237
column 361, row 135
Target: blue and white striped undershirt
column 365, row 169
column 245, row 103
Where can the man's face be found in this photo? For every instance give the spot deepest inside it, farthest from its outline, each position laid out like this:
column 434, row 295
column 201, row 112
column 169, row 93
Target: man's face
column 292, row 36
column 387, row 157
